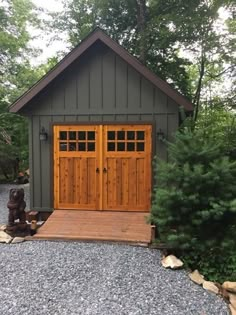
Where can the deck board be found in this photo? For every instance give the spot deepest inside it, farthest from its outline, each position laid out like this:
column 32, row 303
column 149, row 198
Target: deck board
column 96, row 225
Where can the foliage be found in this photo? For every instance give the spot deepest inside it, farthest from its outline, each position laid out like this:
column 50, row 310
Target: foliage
column 158, row 32
column 218, row 125
column 213, row 58
column 16, row 74
column 194, row 203
column 219, row 264
column 16, row 127
column 149, row 36
column 15, row 17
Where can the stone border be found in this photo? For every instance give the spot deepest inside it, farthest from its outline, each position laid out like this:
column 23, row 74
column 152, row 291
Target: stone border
column 227, row 290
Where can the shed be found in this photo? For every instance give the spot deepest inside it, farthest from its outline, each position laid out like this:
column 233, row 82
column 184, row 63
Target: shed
column 93, row 125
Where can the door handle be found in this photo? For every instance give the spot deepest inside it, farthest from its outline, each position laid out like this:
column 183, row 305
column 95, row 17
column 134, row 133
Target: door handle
column 104, row 170
column 97, row 170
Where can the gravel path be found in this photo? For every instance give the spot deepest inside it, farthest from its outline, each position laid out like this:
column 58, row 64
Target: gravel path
column 57, row 278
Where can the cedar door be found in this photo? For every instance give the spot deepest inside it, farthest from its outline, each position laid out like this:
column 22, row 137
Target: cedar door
column 127, row 167
column 102, row 167
column 75, row 163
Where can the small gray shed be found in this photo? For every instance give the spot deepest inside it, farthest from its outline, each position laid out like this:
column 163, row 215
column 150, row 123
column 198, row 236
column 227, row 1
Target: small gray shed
column 93, row 125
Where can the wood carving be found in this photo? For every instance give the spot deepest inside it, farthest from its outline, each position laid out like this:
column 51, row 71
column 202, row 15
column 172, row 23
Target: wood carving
column 16, row 206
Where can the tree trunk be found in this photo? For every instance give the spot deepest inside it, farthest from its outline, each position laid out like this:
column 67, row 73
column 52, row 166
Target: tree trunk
column 141, row 22
column 196, row 100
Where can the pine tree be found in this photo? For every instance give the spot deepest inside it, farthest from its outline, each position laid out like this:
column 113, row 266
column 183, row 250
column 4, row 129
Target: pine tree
column 194, row 202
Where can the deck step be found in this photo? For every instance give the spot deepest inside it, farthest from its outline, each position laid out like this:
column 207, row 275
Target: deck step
column 96, row 225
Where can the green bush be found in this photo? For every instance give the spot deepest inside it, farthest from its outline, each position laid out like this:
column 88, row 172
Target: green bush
column 217, row 264
column 194, row 204
column 16, row 127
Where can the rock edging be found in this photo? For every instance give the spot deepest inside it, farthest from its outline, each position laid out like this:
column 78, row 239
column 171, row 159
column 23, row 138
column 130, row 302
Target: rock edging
column 7, row 239
column 227, row 290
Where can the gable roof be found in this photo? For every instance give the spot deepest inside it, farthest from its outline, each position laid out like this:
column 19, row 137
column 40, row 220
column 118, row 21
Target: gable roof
column 94, row 36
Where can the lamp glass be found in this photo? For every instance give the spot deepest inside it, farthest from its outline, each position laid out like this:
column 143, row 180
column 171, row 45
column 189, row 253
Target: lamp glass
column 43, row 135
column 160, row 135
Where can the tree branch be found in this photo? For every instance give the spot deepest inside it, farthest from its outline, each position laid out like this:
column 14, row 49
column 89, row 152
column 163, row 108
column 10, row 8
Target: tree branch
column 220, row 73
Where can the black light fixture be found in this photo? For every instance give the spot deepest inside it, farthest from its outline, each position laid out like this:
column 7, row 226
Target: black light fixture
column 161, row 135
column 43, row 136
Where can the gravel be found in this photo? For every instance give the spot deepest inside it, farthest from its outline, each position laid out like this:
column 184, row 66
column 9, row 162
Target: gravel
column 57, row 278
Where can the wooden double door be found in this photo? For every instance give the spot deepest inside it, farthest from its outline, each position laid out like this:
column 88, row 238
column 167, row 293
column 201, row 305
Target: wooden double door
column 102, row 167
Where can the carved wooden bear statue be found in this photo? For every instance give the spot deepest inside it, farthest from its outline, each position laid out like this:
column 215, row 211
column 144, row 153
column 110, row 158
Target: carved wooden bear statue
column 16, row 206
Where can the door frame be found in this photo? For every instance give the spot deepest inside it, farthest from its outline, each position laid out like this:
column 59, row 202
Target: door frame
column 152, row 123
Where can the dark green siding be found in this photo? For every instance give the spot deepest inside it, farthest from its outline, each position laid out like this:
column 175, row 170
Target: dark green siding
column 100, row 88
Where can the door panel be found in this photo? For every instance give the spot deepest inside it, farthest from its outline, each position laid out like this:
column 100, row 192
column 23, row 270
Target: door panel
column 102, row 167
column 126, row 185
column 127, row 161
column 75, row 163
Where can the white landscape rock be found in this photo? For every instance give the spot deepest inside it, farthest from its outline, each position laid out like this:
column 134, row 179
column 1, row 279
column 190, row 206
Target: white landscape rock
column 210, row 286
column 196, row 277
column 232, row 299
column 232, row 309
column 171, row 262
column 3, row 227
column 229, row 286
column 5, row 238
column 17, row 240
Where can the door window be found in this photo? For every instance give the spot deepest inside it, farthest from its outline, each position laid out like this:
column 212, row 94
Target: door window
column 125, row 140
column 83, row 141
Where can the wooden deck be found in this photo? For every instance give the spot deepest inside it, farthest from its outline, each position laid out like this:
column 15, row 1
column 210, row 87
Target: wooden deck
column 96, row 225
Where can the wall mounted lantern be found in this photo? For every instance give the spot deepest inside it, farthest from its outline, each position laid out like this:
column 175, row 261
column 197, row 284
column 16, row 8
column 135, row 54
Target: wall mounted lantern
column 161, row 135
column 43, row 136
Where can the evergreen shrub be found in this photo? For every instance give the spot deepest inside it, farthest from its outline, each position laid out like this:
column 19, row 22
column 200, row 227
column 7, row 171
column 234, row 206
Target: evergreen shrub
column 194, row 204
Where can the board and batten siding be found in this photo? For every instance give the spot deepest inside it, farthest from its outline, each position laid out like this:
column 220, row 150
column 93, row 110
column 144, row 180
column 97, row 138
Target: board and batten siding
column 101, row 87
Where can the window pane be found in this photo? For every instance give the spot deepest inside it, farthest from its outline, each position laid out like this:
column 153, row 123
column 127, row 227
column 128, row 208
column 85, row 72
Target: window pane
column 140, row 146
column 120, row 146
column 72, row 146
column 82, row 146
column 121, row 135
column 111, row 135
column 81, row 135
column 91, row 135
column 63, row 146
column 130, row 146
column 91, row 146
column 72, row 135
column 111, row 146
column 140, row 135
column 130, row 135
column 63, row 135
